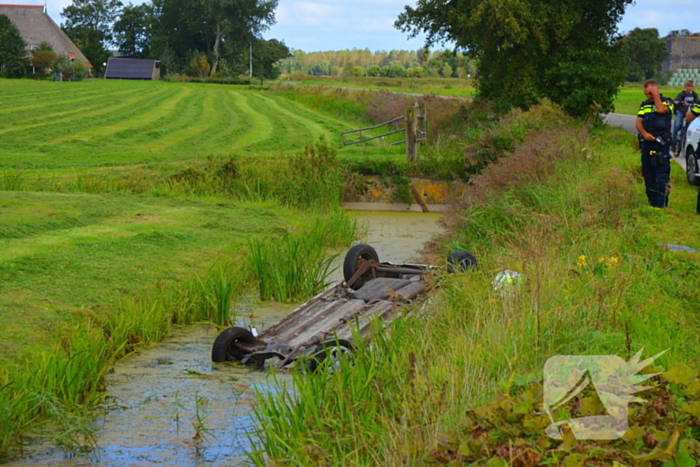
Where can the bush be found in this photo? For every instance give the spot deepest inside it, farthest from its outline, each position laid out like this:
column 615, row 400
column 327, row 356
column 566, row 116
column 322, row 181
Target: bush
column 70, row 69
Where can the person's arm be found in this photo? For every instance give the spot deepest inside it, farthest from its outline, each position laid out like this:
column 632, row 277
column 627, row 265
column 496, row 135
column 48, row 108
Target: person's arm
column 658, row 103
column 640, row 128
column 679, row 98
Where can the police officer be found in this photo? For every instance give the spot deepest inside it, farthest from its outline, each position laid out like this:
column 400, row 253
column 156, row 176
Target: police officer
column 654, row 127
column 692, row 114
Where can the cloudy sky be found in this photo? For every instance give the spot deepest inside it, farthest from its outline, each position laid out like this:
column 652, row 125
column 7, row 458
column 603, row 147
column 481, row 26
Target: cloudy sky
column 314, row 25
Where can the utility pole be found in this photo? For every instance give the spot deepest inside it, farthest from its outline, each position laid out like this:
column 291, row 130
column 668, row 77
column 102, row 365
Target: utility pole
column 250, row 56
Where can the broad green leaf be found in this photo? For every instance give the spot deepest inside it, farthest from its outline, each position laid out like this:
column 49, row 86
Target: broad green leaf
column 633, row 433
column 679, row 373
column 693, row 408
column 681, row 459
column 496, row 462
column 693, row 388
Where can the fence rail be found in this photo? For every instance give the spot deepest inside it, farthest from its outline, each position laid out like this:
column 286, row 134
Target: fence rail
column 362, row 140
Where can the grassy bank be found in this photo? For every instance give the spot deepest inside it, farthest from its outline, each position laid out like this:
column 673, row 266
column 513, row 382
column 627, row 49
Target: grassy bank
column 567, row 210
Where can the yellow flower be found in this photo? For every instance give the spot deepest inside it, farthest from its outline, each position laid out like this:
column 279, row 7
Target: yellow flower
column 601, row 259
column 612, row 261
column 581, row 261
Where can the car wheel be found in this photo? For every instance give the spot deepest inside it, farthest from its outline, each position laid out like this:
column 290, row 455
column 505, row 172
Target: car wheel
column 331, row 350
column 226, row 347
column 691, row 166
column 460, row 261
column 354, row 256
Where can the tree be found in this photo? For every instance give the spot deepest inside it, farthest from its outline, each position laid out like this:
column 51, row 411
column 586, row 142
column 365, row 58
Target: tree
column 43, row 57
column 373, row 70
column 200, row 64
column 71, row 70
column 645, row 53
column 13, row 49
column 266, row 58
column 446, row 70
column 564, row 50
column 88, row 24
column 680, row 33
column 133, row 30
column 219, row 28
column 349, row 70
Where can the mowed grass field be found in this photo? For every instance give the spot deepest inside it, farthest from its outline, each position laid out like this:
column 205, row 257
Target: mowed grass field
column 85, row 125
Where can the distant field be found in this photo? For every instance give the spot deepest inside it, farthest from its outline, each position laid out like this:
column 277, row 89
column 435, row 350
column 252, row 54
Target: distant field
column 46, row 125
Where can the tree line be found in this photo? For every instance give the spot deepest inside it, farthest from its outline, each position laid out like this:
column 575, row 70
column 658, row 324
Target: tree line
column 395, row 63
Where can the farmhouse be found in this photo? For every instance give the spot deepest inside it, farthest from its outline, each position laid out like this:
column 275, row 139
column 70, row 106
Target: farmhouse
column 36, row 26
column 132, row 68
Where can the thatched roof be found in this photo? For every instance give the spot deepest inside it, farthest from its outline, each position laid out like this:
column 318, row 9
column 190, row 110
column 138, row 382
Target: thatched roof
column 36, row 27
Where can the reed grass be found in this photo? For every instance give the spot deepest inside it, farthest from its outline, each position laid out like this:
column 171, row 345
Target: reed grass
column 294, row 265
column 290, row 267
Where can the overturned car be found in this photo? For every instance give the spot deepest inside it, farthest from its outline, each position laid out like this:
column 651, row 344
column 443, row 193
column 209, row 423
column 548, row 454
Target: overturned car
column 324, row 327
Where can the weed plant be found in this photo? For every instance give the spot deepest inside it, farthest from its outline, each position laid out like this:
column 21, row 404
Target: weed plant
column 566, row 209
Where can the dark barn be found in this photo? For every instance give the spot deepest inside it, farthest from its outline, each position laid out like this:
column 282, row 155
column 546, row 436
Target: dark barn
column 132, row 68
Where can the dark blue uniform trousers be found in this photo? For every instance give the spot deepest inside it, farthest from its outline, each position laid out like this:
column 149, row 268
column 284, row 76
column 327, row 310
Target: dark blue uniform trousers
column 656, row 176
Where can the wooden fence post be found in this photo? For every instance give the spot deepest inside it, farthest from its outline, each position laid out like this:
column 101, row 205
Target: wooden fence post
column 421, row 121
column 411, row 136
column 415, row 130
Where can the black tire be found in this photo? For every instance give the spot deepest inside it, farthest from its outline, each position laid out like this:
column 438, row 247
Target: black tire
column 352, row 260
column 691, row 166
column 332, row 349
column 225, row 348
column 460, row 261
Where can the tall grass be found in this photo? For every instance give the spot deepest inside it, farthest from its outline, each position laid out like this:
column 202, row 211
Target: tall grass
column 294, row 265
column 596, row 283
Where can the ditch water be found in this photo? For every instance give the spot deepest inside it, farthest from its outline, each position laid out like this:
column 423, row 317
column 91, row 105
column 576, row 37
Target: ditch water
column 160, row 398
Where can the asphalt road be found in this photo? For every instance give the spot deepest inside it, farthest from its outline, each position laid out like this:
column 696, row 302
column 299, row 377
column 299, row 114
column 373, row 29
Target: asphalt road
column 626, row 122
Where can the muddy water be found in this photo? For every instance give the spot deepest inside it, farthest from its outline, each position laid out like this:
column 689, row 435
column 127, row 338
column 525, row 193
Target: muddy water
column 161, row 398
